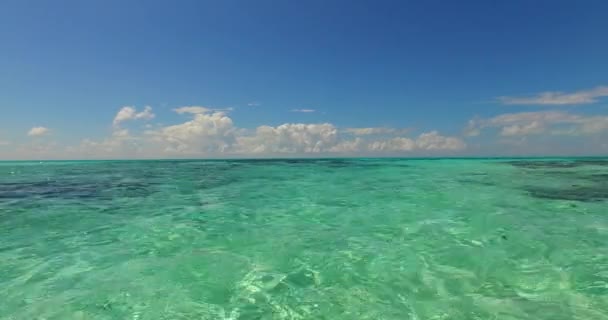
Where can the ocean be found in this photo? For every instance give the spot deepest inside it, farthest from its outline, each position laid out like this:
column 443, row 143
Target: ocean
column 304, row 239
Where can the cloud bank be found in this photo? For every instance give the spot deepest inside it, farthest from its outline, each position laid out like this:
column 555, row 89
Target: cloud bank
column 212, row 133
column 540, row 122
column 558, row 98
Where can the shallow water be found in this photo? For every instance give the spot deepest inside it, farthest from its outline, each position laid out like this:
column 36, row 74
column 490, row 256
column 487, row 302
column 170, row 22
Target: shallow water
column 305, row 239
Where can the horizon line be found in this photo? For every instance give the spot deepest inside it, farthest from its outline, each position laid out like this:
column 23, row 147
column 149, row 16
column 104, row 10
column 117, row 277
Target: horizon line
column 547, row 157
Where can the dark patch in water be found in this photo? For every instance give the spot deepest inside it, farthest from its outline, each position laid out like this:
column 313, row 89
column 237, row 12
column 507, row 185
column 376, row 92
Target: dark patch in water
column 557, row 164
column 477, row 178
column 576, row 185
column 328, row 163
column 544, row 164
column 598, row 177
column 337, row 163
column 476, row 182
column 301, row 279
column 593, row 162
column 74, row 190
column 275, row 161
column 129, row 189
column 574, row 176
column 47, row 189
column 215, row 180
column 591, row 193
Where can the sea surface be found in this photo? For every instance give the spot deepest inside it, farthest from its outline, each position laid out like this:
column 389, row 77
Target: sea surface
column 305, row 239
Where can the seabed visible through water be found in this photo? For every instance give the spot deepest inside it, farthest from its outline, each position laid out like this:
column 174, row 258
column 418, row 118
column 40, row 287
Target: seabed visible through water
column 305, row 239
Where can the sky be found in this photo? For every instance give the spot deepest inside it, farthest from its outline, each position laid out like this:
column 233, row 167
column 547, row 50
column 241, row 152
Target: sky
column 221, row 79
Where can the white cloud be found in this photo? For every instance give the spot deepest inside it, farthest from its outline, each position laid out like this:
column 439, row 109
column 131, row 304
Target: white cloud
column 473, row 128
column 125, row 113
column 205, row 133
column 290, row 138
column 254, row 104
column 349, row 146
column 119, row 144
column 542, row 122
column 38, row 131
column 120, row 133
column 428, row 141
column 433, row 141
column 372, row 131
column 197, row 109
column 303, row 110
column 559, row 98
column 211, row 133
column 394, row 144
column 298, row 138
column 214, row 134
column 4, row 143
column 192, row 109
column 130, row 113
column 533, row 127
column 146, row 114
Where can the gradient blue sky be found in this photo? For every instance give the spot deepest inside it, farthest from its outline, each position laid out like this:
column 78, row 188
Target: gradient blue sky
column 423, row 77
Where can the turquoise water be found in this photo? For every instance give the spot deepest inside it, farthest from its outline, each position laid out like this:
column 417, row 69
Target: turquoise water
column 304, row 239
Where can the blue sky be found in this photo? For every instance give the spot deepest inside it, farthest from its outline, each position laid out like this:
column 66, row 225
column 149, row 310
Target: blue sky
column 376, row 77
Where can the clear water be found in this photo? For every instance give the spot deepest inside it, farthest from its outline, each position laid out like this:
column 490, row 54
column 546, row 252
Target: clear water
column 304, row 239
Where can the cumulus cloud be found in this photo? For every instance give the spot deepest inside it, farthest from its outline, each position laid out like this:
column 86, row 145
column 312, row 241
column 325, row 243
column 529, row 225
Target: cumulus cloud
column 130, row 113
column 119, row 144
column 541, row 122
column 433, row 141
column 394, row 144
column 298, row 138
column 206, row 133
column 211, row 133
column 290, row 138
column 214, row 133
column 559, row 98
column 349, row 146
column 303, row 110
column 374, row 131
column 38, row 131
column 427, row 141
